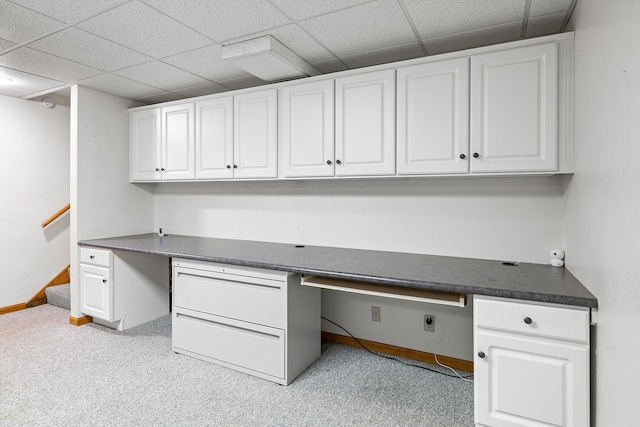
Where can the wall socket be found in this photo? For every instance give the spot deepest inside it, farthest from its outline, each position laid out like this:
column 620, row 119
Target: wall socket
column 429, row 323
column 375, row 314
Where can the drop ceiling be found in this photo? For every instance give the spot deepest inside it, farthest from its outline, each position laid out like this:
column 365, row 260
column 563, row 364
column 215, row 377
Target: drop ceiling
column 164, row 50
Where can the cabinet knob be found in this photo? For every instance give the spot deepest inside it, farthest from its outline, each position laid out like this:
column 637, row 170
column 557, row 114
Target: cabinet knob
column 528, row 320
column 462, row 156
column 328, row 162
column 235, row 166
column 338, row 162
column 481, row 354
column 476, row 155
column 91, row 256
column 228, row 166
column 162, row 169
column 104, row 280
column 157, row 169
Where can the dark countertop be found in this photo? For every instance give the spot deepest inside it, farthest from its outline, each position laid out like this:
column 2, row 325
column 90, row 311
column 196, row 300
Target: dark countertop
column 534, row 282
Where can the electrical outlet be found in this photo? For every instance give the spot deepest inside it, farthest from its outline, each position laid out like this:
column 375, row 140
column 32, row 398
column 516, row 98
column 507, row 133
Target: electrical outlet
column 375, row 314
column 429, row 323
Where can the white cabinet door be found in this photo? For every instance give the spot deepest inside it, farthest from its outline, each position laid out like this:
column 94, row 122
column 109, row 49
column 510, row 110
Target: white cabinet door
column 178, row 143
column 307, row 129
column 365, row 124
column 214, row 138
column 433, row 117
column 96, row 292
column 255, row 134
column 514, row 110
column 525, row 381
column 144, row 145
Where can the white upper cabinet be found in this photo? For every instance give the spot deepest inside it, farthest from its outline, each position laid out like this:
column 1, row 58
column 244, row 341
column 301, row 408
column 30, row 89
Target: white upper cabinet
column 433, row 117
column 255, row 134
column 365, row 124
column 514, row 110
column 178, row 143
column 144, row 145
column 214, row 138
column 307, row 129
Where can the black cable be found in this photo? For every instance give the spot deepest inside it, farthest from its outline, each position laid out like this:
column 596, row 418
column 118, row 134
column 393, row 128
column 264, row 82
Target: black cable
column 393, row 358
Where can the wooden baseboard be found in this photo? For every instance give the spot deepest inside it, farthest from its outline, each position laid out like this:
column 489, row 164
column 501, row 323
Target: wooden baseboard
column 79, row 321
column 463, row 365
column 11, row 308
column 40, row 297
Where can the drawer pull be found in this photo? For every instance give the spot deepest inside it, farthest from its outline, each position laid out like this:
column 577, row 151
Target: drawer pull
column 528, row 320
column 227, row 326
column 481, row 354
column 91, row 256
column 104, row 280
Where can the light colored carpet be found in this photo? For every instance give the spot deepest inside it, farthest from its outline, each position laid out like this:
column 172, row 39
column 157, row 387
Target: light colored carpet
column 55, row 374
column 59, row 295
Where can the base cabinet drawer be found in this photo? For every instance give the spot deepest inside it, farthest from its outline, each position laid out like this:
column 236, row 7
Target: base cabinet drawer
column 254, row 347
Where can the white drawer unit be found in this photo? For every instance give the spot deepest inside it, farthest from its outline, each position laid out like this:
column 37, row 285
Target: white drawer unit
column 123, row 289
column 256, row 321
column 531, row 364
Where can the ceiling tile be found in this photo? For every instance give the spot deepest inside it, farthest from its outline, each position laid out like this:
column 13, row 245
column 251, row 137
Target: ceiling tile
column 69, row 11
column 161, row 97
column 40, row 63
column 20, row 25
column 545, row 25
column 298, row 10
column 161, row 75
column 296, row 39
column 6, row 44
column 223, row 19
column 110, row 83
column 207, row 62
column 86, row 48
column 327, row 66
column 547, row 7
column 434, row 18
column 243, row 82
column 470, row 39
column 383, row 56
column 28, row 82
column 351, row 30
column 145, row 30
column 208, row 89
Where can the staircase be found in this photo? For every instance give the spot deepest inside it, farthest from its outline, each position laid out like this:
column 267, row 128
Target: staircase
column 59, row 295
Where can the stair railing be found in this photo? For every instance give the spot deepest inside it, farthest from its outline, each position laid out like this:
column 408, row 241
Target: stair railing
column 56, row 215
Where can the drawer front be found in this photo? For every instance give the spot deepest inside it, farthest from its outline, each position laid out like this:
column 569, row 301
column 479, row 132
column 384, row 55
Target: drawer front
column 246, row 345
column 244, row 298
column 545, row 320
column 95, row 257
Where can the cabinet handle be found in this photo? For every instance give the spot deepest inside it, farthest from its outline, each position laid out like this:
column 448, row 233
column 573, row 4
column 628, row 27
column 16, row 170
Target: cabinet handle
column 476, row 155
column 91, row 256
column 338, row 162
column 228, row 166
column 481, row 354
column 462, row 156
column 328, row 162
column 235, row 166
column 162, row 169
column 104, row 280
column 528, row 320
column 157, row 169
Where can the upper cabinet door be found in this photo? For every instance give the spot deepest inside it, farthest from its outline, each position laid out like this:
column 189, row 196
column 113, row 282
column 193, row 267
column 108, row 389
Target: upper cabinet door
column 144, row 145
column 214, row 138
column 433, row 117
column 514, row 110
column 255, row 134
column 307, row 129
column 365, row 124
column 178, row 143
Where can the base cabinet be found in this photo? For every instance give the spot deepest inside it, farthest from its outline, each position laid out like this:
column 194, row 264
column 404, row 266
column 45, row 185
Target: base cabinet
column 531, row 365
column 123, row 289
column 260, row 322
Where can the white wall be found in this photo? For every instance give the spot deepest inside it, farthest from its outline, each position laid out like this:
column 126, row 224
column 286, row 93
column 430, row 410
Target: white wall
column 106, row 204
column 34, row 171
column 602, row 218
column 503, row 218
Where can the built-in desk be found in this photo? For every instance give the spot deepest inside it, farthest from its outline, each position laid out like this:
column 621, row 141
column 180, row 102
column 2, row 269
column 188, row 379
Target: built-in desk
column 531, row 321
